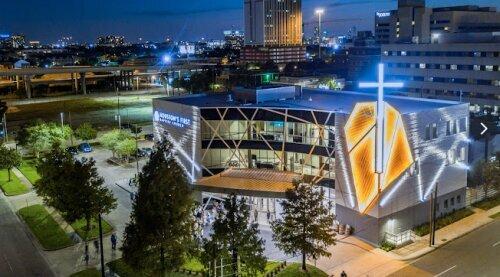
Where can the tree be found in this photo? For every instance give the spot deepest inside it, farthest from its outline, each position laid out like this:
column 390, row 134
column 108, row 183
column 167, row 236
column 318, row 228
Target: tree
column 475, row 176
column 86, row 132
column 111, row 139
column 233, row 234
column 42, row 136
column 491, row 175
column 160, row 234
column 73, row 187
column 126, row 148
column 306, row 226
column 9, row 158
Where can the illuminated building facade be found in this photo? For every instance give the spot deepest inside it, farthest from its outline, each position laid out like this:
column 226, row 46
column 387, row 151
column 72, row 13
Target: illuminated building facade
column 273, row 31
column 242, row 141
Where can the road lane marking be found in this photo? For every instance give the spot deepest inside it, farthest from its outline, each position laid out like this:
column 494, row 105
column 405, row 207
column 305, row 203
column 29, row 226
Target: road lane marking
column 445, row 271
column 495, row 244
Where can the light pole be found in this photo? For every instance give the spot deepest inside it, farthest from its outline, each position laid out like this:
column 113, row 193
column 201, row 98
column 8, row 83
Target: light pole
column 62, row 120
column 167, row 61
column 319, row 12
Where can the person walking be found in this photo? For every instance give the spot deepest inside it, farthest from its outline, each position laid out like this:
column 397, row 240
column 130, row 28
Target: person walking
column 113, row 241
column 96, row 246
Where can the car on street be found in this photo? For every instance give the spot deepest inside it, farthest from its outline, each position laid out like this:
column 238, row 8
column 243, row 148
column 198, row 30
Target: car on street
column 147, row 151
column 126, row 126
column 85, row 147
column 72, row 150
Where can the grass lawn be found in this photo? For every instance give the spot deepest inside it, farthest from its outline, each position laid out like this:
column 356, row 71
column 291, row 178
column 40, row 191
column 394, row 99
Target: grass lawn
column 80, row 225
column 28, row 169
column 91, row 272
column 443, row 221
column 495, row 216
column 294, row 270
column 50, row 235
column 488, row 203
column 122, row 269
column 13, row 187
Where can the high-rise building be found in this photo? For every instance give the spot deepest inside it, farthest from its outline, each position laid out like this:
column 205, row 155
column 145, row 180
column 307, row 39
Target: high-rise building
column 273, row 31
column 414, row 22
column 454, row 55
column 234, row 39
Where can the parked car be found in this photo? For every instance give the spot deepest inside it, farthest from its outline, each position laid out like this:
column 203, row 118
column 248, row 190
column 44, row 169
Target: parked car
column 140, row 153
column 147, row 151
column 72, row 150
column 126, row 126
column 135, row 129
column 149, row 137
column 85, row 147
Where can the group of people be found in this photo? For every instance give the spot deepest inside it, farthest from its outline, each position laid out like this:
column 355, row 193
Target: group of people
column 114, row 240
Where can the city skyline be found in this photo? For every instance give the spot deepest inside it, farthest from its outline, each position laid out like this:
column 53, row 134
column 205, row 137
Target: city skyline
column 85, row 21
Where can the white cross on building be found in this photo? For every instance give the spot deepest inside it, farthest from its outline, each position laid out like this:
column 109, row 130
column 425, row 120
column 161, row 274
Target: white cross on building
column 379, row 151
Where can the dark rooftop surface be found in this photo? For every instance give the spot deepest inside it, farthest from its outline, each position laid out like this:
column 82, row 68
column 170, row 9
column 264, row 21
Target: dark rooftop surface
column 315, row 99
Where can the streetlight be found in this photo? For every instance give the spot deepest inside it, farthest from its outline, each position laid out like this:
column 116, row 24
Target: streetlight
column 319, row 12
column 167, row 60
column 62, row 120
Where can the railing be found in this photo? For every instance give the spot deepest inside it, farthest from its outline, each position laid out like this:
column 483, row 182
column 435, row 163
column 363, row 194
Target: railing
column 401, row 238
column 477, row 194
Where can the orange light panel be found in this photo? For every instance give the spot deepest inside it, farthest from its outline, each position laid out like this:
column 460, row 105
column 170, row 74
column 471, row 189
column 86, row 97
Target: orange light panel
column 361, row 143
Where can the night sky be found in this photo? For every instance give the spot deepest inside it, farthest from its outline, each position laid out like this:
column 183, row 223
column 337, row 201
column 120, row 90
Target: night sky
column 48, row 20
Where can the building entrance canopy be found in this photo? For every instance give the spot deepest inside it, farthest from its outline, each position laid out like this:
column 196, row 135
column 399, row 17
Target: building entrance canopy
column 249, row 182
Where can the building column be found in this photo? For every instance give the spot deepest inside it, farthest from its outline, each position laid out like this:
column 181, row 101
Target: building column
column 18, row 82
column 27, row 86
column 83, row 83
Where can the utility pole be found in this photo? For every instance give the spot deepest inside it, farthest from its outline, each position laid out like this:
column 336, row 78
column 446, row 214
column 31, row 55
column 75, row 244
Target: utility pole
column 432, row 229
column 136, row 150
column 5, row 138
column 103, row 274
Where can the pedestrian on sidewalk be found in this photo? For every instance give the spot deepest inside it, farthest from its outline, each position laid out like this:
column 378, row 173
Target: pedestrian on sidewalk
column 96, row 246
column 86, row 258
column 343, row 274
column 113, row 241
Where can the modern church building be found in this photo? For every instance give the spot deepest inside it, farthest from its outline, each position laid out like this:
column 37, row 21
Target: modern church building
column 379, row 169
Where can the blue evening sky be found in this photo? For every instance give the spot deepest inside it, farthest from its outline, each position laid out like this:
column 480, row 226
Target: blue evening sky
column 48, row 20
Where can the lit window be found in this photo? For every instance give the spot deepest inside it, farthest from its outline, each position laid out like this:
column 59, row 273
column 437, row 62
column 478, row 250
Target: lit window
column 477, row 67
column 422, row 65
column 489, row 68
column 453, row 67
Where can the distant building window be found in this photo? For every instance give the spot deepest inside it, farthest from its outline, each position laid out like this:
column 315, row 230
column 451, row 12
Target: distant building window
column 489, row 68
column 453, row 66
column 446, row 204
column 459, row 198
column 422, row 65
column 452, row 201
column 477, row 67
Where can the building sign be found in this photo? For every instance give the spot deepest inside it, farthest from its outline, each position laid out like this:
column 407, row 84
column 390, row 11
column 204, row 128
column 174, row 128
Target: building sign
column 171, row 119
column 383, row 14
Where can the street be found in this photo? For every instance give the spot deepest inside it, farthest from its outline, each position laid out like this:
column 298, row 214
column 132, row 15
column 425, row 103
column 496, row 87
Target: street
column 18, row 255
column 475, row 254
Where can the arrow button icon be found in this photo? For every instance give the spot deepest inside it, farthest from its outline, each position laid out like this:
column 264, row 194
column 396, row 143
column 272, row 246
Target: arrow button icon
column 485, row 128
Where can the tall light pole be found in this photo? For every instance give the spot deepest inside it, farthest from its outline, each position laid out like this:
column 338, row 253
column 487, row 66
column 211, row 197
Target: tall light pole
column 319, row 12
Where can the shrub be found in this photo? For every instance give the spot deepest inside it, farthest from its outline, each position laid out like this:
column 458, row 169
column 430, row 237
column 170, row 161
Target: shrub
column 387, row 246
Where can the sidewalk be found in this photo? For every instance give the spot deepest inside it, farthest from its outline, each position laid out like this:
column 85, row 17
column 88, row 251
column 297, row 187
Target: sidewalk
column 65, row 261
column 358, row 258
column 444, row 235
